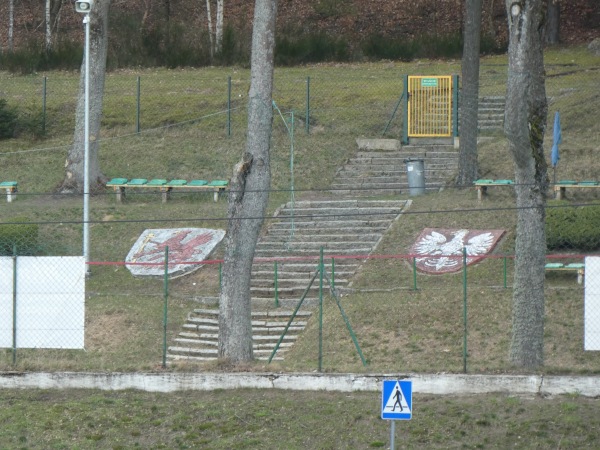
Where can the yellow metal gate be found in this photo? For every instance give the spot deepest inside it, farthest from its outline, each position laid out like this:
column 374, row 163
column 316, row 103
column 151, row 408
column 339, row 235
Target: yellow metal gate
column 429, row 106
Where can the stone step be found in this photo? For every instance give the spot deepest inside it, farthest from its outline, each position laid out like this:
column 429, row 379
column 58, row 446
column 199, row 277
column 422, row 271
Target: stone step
column 328, row 253
column 328, row 225
column 323, row 235
column 310, row 245
column 346, row 203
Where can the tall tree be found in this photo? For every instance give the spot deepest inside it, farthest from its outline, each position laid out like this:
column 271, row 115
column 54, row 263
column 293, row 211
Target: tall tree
column 219, row 28
column 249, row 194
column 74, row 174
column 553, row 23
column 524, row 125
column 52, row 17
column 467, row 161
column 11, row 24
column 215, row 34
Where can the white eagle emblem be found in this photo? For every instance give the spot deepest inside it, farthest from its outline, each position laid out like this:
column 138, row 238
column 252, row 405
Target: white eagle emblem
column 444, row 254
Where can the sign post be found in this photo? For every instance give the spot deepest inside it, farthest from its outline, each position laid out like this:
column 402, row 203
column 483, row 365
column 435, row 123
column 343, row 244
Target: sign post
column 396, row 403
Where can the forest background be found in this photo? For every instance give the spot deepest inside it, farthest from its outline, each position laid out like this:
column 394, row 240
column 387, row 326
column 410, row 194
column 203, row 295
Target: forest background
column 175, row 33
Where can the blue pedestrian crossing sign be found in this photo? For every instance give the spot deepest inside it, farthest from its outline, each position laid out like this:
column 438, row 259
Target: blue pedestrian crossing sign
column 396, row 400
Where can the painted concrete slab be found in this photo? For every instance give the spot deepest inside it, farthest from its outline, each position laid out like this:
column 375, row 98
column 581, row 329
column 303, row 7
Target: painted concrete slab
column 187, row 248
column 440, row 250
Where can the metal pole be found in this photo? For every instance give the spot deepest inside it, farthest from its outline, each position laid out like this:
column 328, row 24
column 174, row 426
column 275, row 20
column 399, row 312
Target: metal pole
column 276, row 287
column 321, row 311
column 414, row 264
column 229, row 106
column 465, row 309
column 165, row 308
column 44, row 105
column 332, row 273
column 405, row 110
column 138, row 108
column 14, row 299
column 455, row 131
column 86, row 157
column 505, row 272
column 392, row 434
column 307, row 105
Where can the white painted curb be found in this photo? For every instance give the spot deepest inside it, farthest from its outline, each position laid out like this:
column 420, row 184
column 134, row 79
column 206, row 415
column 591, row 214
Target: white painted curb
column 439, row 384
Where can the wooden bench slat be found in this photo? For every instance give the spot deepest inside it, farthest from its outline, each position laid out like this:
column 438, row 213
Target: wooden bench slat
column 137, row 182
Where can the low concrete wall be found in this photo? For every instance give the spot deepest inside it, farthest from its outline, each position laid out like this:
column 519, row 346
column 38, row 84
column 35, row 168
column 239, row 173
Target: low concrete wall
column 442, row 384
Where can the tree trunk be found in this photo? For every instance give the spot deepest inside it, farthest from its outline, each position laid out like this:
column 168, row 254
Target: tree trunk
column 210, row 28
column 74, row 175
column 11, row 24
column 249, row 194
column 524, row 125
column 553, row 23
column 467, row 162
column 48, row 26
column 219, row 27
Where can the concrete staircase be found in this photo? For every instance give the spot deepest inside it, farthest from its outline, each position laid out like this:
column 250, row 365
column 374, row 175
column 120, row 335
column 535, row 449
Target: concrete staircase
column 342, row 227
column 346, row 225
column 379, row 168
column 491, row 114
column 199, row 339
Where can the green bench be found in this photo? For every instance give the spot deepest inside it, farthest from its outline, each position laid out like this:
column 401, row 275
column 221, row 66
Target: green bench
column 560, row 187
column 482, row 185
column 11, row 189
column 578, row 268
column 119, row 185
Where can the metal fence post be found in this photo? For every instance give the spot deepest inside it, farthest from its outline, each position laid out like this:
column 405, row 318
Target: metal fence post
column 44, row 95
column 165, row 307
column 229, row 106
column 307, row 105
column 414, row 264
column 138, row 111
column 455, row 132
column 465, row 309
column 14, row 301
column 276, row 287
column 321, row 311
column 405, row 110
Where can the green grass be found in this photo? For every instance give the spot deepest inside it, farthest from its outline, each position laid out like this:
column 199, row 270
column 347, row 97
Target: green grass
column 398, row 328
column 86, row 419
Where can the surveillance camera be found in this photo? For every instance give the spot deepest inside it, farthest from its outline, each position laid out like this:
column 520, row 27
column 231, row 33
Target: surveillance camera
column 84, row 6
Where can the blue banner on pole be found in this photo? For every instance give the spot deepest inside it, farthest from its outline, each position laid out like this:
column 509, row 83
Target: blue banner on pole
column 557, row 140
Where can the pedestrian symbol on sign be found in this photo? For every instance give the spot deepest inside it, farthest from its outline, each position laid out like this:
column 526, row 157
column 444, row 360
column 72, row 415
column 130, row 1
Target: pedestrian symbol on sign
column 396, row 400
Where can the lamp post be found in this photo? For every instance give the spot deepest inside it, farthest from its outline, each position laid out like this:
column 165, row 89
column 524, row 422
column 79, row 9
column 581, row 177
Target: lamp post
column 85, row 7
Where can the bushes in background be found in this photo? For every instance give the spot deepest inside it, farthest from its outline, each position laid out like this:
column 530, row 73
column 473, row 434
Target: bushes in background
column 20, row 236
column 573, row 227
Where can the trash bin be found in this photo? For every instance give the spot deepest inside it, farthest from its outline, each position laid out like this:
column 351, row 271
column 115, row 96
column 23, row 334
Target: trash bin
column 415, row 171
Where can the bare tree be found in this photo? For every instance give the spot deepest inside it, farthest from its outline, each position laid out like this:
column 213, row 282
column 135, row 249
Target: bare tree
column 219, row 28
column 552, row 30
column 467, row 162
column 52, row 18
column 524, row 125
column 11, row 24
column 210, row 28
column 249, row 194
column 215, row 35
column 74, row 165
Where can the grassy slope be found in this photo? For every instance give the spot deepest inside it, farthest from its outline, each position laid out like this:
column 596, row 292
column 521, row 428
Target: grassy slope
column 399, row 329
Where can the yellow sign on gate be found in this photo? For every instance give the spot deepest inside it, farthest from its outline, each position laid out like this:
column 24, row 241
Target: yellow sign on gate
column 429, row 106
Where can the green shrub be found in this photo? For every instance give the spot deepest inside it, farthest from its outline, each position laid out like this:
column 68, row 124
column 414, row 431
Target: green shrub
column 318, row 47
column 427, row 46
column 572, row 227
column 17, row 234
column 8, row 120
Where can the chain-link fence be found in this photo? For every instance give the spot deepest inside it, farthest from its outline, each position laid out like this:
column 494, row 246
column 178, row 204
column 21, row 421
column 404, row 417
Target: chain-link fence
column 190, row 125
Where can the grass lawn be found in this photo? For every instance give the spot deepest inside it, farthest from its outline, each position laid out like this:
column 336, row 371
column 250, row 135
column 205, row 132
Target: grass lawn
column 86, row 419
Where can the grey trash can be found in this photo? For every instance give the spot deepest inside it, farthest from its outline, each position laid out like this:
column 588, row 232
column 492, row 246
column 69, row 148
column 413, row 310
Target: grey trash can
column 415, row 171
